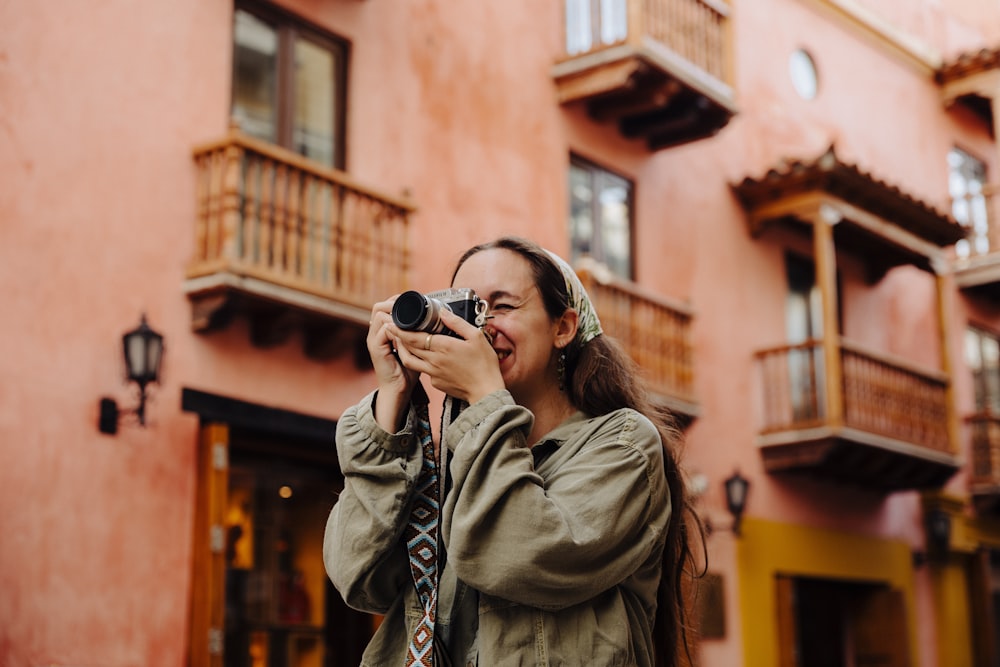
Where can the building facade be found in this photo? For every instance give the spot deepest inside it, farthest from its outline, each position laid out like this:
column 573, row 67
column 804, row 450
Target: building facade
column 783, row 208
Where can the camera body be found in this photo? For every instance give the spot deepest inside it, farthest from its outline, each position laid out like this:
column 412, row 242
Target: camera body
column 414, row 311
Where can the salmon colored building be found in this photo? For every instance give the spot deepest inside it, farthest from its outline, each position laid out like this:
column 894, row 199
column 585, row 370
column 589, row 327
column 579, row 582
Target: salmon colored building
column 783, row 208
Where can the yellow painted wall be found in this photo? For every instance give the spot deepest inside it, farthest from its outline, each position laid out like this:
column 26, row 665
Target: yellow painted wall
column 952, row 613
column 768, row 549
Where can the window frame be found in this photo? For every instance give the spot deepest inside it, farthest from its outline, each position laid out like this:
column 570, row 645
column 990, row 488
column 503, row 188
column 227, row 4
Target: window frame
column 976, row 216
column 288, row 28
column 984, row 397
column 593, row 168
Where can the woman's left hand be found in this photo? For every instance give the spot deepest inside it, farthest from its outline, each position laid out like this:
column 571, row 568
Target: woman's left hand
column 465, row 367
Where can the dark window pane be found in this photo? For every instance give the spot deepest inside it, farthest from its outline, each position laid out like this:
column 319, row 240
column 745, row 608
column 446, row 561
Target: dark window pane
column 313, row 129
column 581, row 206
column 616, row 216
column 255, row 68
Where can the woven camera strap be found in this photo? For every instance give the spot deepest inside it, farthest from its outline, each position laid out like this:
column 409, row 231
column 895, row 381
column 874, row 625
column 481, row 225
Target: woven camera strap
column 422, row 534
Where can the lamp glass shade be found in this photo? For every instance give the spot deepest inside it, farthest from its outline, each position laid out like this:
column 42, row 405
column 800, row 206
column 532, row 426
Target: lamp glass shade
column 143, row 352
column 938, row 524
column 736, row 493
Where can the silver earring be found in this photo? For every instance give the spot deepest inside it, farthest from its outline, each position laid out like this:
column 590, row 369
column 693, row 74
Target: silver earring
column 561, row 370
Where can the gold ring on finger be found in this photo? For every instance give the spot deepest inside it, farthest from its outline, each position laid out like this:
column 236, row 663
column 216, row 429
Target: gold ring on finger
column 427, row 343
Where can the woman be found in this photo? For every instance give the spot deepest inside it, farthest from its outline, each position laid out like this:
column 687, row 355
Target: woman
column 561, row 534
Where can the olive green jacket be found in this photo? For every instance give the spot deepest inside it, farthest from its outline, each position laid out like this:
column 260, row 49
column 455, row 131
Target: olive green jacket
column 553, row 552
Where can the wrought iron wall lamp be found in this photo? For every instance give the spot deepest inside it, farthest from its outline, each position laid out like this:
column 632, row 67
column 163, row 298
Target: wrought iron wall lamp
column 937, row 524
column 737, row 487
column 143, row 350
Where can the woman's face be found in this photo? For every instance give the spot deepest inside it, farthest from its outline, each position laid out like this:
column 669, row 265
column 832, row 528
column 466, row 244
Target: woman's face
column 524, row 336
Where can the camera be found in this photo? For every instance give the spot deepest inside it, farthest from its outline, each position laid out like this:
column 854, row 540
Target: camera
column 414, row 311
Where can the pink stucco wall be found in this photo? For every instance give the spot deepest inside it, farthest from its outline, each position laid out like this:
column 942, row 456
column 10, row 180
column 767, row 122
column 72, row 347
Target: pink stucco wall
column 453, row 103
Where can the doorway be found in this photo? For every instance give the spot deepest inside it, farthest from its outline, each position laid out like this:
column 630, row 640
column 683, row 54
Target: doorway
column 267, row 479
column 840, row 623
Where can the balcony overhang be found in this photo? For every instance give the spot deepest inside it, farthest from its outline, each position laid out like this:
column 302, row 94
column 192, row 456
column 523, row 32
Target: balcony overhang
column 973, row 81
column 648, row 91
column 979, row 275
column 871, row 218
column 274, row 313
column 852, row 456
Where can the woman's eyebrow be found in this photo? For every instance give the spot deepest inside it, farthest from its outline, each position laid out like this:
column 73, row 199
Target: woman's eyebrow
column 503, row 294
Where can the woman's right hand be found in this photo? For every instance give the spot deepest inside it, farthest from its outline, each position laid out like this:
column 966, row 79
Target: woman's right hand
column 395, row 382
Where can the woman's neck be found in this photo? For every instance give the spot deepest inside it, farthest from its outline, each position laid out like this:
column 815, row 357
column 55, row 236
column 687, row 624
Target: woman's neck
column 552, row 409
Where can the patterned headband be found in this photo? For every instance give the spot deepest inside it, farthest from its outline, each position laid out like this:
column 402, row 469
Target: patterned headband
column 588, row 326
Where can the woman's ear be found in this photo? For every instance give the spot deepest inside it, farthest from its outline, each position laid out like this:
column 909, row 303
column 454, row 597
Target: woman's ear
column 566, row 328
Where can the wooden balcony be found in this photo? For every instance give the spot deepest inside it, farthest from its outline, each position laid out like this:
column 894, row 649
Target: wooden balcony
column 655, row 331
column 984, row 478
column 977, row 267
column 882, row 424
column 291, row 245
column 660, row 70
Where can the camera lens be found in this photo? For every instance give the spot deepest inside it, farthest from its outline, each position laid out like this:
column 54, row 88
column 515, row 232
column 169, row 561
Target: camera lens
column 410, row 310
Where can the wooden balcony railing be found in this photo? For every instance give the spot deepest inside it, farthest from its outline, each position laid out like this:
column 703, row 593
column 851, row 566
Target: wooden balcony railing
column 895, row 399
column 655, row 331
column 792, row 383
column 985, row 473
column 880, row 396
column 977, row 265
column 278, row 228
column 893, row 415
column 661, row 69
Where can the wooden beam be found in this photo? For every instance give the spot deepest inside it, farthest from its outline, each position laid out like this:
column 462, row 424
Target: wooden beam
column 208, row 594
column 826, row 278
column 891, row 232
column 985, row 84
column 642, row 99
column 805, row 206
column 605, row 78
column 945, row 313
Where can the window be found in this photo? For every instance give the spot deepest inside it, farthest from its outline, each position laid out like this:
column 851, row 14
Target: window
column 288, row 84
column 804, row 323
column 966, row 185
column 982, row 355
column 802, row 69
column 600, row 223
column 592, row 23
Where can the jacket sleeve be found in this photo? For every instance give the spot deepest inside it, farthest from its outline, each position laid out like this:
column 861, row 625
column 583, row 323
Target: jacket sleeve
column 554, row 542
column 361, row 546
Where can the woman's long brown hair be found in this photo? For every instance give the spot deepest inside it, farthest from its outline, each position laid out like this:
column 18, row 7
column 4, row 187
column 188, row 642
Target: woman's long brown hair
column 602, row 378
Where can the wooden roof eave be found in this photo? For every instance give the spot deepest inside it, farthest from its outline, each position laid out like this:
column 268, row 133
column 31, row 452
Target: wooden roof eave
column 818, row 207
column 831, row 191
column 968, row 65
